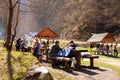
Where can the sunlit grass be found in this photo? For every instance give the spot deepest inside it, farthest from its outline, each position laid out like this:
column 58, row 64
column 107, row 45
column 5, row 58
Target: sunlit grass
column 103, row 64
column 20, row 62
column 1, row 41
column 114, row 68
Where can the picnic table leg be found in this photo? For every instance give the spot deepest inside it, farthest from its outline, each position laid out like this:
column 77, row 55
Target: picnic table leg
column 53, row 62
column 78, row 57
column 66, row 63
column 91, row 62
column 46, row 54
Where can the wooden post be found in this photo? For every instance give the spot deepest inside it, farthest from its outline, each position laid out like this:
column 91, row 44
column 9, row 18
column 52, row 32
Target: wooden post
column 47, row 54
column 66, row 63
column 91, row 62
column 78, row 58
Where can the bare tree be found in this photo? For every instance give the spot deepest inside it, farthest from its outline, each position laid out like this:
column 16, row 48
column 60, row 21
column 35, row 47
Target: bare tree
column 13, row 8
column 12, row 5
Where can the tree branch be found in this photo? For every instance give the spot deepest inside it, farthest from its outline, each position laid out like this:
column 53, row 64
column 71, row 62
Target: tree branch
column 28, row 5
column 17, row 17
column 15, row 4
column 3, row 7
column 26, row 11
column 7, row 3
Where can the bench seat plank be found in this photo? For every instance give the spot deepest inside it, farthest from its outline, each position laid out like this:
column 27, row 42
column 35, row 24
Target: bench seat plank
column 61, row 58
column 92, row 59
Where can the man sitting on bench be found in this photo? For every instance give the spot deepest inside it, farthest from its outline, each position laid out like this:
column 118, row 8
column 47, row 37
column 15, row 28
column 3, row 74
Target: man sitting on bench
column 55, row 50
column 69, row 52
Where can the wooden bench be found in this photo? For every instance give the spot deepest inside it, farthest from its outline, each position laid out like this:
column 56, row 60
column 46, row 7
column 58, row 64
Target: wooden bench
column 64, row 59
column 91, row 59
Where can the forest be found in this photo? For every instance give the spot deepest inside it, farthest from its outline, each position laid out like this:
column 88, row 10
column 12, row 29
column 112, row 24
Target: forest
column 69, row 18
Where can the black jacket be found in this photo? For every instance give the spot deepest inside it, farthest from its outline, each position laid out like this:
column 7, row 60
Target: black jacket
column 55, row 49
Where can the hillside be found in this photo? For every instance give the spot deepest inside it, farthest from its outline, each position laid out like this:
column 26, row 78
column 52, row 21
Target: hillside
column 95, row 17
column 71, row 19
column 77, row 19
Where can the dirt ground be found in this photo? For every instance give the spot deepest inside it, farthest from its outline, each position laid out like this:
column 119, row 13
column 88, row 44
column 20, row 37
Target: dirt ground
column 98, row 73
column 89, row 74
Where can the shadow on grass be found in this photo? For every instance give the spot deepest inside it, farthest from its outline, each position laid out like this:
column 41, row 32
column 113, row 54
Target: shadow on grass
column 84, row 69
column 10, row 68
column 89, row 70
column 109, row 56
column 66, row 69
column 93, row 68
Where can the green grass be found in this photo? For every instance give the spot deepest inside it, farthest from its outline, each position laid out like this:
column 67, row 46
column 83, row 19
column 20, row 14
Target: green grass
column 114, row 68
column 110, row 57
column 103, row 65
column 1, row 41
column 20, row 63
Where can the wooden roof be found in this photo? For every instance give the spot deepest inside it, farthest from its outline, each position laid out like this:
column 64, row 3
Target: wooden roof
column 47, row 32
column 101, row 37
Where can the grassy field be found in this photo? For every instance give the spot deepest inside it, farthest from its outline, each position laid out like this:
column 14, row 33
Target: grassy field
column 104, row 64
column 22, row 61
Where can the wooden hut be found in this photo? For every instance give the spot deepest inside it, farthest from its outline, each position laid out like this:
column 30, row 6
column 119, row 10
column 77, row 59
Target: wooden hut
column 101, row 37
column 48, row 34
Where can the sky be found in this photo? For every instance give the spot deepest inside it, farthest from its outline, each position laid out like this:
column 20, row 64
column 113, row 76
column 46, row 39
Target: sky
column 22, row 6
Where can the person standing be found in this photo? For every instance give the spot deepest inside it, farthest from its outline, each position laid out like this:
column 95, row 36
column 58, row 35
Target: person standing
column 18, row 44
column 115, row 51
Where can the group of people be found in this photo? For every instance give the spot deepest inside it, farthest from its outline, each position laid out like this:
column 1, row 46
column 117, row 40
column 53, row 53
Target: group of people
column 105, row 49
column 69, row 52
column 21, row 45
column 55, row 51
column 38, row 50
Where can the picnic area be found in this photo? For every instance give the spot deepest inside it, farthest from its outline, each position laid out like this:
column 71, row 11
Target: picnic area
column 59, row 40
column 96, row 67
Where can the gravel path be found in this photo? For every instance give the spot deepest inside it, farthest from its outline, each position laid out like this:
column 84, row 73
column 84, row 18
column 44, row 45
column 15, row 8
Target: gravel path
column 94, row 74
column 90, row 74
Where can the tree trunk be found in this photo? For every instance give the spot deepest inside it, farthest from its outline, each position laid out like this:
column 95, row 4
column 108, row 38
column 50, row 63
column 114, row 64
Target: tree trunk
column 9, row 26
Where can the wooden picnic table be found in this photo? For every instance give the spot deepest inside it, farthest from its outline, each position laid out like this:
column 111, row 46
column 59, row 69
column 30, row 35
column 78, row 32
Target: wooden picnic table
column 78, row 57
column 92, row 60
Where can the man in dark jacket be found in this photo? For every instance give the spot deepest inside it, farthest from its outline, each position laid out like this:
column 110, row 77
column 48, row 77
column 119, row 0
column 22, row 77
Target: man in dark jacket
column 54, row 52
column 18, row 44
